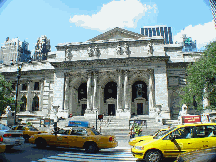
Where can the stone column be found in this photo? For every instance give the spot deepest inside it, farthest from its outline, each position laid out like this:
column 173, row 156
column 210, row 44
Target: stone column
column 89, row 91
column 151, row 93
column 126, row 90
column 99, row 98
column 95, row 98
column 29, row 96
column 41, row 94
column 161, row 93
column 119, row 91
column 58, row 89
column 67, row 90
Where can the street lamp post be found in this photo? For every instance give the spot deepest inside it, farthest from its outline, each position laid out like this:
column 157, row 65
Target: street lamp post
column 17, row 86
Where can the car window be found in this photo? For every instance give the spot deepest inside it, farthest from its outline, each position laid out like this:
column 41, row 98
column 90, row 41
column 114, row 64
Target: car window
column 163, row 133
column 20, row 128
column 205, row 131
column 95, row 131
column 61, row 131
column 14, row 128
column 181, row 133
column 78, row 131
column 4, row 127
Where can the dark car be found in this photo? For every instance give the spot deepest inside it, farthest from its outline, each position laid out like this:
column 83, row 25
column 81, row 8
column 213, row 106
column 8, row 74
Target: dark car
column 202, row 155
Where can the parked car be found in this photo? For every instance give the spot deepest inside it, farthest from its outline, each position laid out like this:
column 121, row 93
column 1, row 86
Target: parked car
column 75, row 137
column 135, row 140
column 179, row 139
column 27, row 130
column 11, row 137
column 201, row 155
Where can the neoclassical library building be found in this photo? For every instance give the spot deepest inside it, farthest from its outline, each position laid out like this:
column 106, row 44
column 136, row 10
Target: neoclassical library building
column 118, row 73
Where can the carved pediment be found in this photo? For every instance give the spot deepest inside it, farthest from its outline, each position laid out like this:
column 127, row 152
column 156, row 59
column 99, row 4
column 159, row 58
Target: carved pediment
column 117, row 33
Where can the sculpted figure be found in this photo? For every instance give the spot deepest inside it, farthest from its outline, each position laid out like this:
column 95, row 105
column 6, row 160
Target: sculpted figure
column 150, row 48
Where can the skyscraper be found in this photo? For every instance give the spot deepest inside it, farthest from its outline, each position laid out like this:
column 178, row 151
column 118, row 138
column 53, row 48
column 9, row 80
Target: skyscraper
column 14, row 51
column 42, row 48
column 161, row 30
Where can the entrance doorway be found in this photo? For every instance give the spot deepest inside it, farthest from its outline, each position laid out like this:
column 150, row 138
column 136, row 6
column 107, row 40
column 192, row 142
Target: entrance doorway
column 111, row 109
column 84, row 106
column 139, row 108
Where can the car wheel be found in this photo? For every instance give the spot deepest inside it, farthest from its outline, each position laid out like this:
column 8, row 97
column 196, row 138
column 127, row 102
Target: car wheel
column 41, row 143
column 153, row 156
column 91, row 148
column 26, row 138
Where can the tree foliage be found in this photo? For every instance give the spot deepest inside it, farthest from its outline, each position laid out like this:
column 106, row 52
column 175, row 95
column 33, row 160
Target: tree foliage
column 201, row 80
column 6, row 98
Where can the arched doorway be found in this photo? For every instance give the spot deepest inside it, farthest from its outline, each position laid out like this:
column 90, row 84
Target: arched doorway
column 82, row 97
column 139, row 98
column 35, row 104
column 110, row 96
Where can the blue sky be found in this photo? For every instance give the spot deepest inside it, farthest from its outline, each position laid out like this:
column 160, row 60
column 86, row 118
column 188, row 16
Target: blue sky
column 79, row 20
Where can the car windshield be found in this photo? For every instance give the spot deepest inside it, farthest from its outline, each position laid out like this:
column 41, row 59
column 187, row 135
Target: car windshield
column 163, row 133
column 95, row 131
column 4, row 127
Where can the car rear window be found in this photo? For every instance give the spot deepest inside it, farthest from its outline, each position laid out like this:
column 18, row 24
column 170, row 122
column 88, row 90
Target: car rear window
column 33, row 129
column 95, row 131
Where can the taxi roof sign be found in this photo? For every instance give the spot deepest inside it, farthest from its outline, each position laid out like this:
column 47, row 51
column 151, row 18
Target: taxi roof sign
column 78, row 124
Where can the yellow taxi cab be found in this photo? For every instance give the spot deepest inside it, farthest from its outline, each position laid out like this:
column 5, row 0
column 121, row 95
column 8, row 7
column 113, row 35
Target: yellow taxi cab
column 176, row 140
column 76, row 137
column 135, row 140
column 27, row 130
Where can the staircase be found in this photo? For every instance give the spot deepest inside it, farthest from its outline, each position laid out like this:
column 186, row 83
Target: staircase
column 116, row 126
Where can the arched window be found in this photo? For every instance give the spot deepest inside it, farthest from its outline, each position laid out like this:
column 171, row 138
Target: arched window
column 23, row 104
column 35, row 104
column 82, row 91
column 139, row 89
column 110, row 91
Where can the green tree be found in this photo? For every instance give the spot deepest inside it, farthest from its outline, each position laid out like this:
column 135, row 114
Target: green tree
column 6, row 98
column 201, row 80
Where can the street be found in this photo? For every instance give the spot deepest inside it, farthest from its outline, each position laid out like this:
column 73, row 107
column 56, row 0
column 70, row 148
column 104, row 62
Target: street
column 29, row 153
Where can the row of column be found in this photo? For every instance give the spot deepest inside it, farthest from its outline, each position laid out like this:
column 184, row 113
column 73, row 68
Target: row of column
column 94, row 91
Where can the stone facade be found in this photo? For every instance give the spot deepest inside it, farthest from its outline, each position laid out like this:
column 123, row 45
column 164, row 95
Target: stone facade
column 118, row 73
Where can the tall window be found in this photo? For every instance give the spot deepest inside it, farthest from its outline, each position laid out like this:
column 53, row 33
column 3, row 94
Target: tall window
column 36, row 86
column 24, row 87
column 35, row 104
column 23, row 104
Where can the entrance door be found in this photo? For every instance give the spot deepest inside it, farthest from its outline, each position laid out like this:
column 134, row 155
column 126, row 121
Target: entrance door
column 111, row 109
column 139, row 108
column 84, row 106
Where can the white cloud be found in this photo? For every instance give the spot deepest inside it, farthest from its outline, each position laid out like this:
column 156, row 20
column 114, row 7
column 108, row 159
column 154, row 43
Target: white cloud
column 123, row 13
column 203, row 34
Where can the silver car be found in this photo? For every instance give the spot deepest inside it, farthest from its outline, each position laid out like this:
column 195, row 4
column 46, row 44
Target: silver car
column 10, row 137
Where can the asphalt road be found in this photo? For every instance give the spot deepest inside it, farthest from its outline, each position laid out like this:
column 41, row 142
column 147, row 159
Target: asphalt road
column 29, row 153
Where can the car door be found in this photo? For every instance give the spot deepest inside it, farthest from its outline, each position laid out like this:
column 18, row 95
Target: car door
column 179, row 141
column 206, row 135
column 78, row 137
